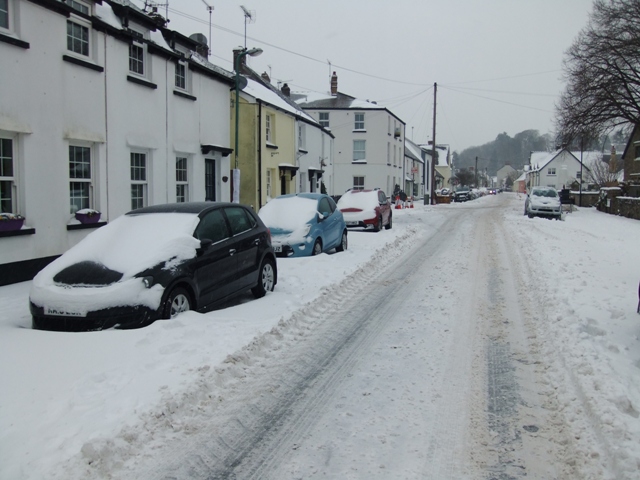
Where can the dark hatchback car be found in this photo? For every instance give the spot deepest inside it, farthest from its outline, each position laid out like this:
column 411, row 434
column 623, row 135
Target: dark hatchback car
column 154, row 263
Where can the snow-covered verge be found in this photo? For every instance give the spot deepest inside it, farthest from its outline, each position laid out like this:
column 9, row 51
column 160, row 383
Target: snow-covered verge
column 65, row 395
column 585, row 271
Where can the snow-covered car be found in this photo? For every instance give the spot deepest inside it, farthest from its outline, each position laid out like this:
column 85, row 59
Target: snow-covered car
column 462, row 194
column 543, row 202
column 152, row 263
column 304, row 224
column 366, row 209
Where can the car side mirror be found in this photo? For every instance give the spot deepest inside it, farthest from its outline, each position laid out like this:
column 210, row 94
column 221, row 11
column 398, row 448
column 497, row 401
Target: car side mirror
column 205, row 243
column 321, row 217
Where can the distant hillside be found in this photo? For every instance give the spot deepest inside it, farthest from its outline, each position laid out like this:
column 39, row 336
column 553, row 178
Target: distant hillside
column 504, row 150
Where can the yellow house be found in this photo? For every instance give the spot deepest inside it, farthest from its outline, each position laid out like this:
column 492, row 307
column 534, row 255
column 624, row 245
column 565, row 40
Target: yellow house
column 266, row 155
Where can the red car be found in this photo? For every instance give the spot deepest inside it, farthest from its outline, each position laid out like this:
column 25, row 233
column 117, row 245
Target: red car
column 366, row 209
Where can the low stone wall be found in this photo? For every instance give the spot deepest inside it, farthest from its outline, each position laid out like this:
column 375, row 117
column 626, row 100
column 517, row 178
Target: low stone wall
column 627, row 207
column 611, row 201
column 589, row 199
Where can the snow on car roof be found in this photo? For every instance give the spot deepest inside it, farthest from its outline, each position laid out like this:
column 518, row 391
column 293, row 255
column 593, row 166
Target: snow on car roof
column 288, row 212
column 362, row 199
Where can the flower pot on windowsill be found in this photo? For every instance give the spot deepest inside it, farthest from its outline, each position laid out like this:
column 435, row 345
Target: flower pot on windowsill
column 88, row 216
column 10, row 222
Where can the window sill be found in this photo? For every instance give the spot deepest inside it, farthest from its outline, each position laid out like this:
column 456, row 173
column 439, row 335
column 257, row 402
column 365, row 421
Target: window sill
column 140, row 81
column 84, row 226
column 82, row 63
column 271, row 145
column 16, row 233
column 358, row 162
column 303, row 151
column 178, row 93
column 14, row 41
column 359, row 131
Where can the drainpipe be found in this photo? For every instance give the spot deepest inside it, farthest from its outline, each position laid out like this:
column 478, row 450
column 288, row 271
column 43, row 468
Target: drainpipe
column 259, row 154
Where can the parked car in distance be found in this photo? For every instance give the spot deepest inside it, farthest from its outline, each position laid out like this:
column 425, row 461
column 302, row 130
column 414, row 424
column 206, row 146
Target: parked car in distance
column 543, row 202
column 304, row 224
column 462, row 194
column 366, row 209
column 153, row 263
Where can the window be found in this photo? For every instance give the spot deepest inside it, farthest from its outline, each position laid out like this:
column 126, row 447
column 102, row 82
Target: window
column 268, row 184
column 358, row 183
column 213, row 226
column 79, row 6
column 637, row 150
column 269, row 129
column 359, row 124
column 4, row 14
column 80, row 179
column 578, row 174
column 181, row 76
column 551, row 171
column 388, row 125
column 359, row 147
column 302, row 144
column 182, row 185
column 77, row 38
column 138, row 180
column 394, row 156
column 388, row 153
column 136, row 58
column 324, row 119
column 7, row 177
column 239, row 220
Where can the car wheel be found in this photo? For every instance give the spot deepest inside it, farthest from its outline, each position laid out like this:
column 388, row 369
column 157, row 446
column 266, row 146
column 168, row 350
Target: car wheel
column 317, row 247
column 177, row 302
column 343, row 243
column 266, row 279
column 390, row 224
column 378, row 226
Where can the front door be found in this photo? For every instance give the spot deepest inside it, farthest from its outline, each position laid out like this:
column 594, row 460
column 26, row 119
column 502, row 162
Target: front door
column 209, row 180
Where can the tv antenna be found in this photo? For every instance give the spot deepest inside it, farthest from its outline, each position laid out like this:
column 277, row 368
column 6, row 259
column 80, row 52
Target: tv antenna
column 209, row 9
column 249, row 17
column 151, row 8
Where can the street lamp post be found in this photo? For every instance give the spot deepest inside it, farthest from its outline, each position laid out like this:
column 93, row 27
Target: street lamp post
column 253, row 52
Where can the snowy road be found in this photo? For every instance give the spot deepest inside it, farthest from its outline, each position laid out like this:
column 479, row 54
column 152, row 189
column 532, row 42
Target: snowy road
column 467, row 342
column 449, row 313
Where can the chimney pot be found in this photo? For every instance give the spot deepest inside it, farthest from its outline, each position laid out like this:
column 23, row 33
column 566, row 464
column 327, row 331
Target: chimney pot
column 334, row 84
column 286, row 90
column 265, row 77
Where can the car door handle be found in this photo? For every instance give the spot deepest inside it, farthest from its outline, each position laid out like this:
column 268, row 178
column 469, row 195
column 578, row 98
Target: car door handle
column 256, row 241
column 232, row 251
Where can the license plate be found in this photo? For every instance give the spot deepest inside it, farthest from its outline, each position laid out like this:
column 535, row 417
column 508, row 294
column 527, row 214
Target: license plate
column 277, row 248
column 61, row 312
column 352, row 224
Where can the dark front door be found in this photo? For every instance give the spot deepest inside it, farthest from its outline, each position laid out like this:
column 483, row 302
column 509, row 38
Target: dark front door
column 209, row 180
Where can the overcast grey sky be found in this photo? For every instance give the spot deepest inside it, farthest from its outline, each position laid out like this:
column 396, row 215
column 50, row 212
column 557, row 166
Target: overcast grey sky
column 497, row 62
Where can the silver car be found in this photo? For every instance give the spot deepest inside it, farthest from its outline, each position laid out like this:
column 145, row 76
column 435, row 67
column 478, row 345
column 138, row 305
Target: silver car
column 543, row 202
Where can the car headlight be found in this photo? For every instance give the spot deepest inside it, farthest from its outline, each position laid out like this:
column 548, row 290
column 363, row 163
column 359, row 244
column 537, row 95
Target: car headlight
column 307, row 229
column 148, row 281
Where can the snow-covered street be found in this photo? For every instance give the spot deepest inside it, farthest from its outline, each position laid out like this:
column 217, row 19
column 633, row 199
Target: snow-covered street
column 467, row 342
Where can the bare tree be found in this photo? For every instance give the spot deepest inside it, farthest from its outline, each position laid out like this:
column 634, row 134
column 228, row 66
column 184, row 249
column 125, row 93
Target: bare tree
column 602, row 70
column 604, row 174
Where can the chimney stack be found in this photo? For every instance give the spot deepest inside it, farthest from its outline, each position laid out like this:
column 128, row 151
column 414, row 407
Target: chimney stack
column 286, row 90
column 334, row 84
column 265, row 77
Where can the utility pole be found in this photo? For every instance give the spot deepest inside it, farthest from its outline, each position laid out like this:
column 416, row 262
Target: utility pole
column 476, row 173
column 433, row 148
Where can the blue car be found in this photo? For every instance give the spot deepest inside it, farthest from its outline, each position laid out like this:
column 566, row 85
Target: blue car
column 304, row 224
